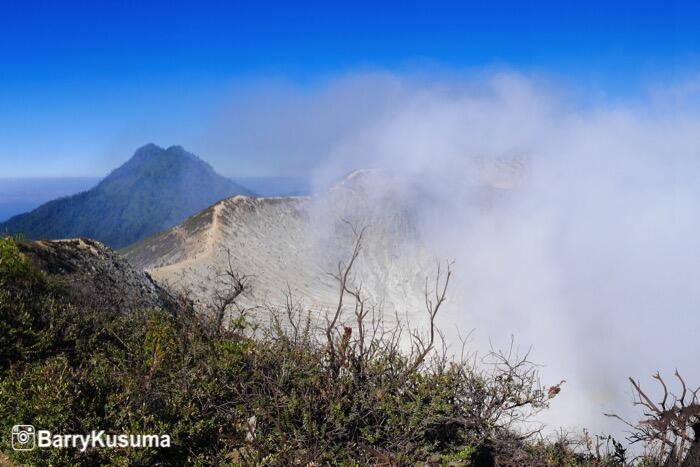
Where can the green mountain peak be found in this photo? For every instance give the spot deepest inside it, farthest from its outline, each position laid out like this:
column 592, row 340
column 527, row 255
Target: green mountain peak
column 154, row 190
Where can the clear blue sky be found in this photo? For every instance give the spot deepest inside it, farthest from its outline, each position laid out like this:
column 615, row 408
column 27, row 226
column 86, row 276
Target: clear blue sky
column 81, row 81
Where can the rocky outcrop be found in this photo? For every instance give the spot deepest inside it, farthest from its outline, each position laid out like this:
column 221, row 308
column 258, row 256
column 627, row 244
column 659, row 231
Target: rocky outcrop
column 94, row 276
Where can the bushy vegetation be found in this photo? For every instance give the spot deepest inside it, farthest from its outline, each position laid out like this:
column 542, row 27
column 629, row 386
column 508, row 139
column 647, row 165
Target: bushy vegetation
column 282, row 394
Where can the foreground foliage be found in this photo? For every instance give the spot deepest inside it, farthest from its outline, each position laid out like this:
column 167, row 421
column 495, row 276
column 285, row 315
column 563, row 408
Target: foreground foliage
column 284, row 394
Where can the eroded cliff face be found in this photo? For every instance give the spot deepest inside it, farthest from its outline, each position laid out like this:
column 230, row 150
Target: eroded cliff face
column 94, row 276
column 294, row 245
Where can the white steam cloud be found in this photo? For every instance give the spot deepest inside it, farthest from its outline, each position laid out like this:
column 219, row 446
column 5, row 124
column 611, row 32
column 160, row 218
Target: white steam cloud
column 591, row 251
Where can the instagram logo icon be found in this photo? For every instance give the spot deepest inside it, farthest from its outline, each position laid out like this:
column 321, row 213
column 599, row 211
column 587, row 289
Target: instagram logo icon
column 23, row 437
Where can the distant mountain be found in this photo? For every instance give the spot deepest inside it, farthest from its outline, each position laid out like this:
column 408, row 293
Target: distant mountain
column 153, row 191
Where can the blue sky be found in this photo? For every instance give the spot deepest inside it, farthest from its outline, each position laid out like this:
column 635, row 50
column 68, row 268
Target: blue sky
column 83, row 83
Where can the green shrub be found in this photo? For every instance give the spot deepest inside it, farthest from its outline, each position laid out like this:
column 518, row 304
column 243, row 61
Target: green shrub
column 279, row 395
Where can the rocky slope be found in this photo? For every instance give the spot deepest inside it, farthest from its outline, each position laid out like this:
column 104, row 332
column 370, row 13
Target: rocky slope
column 96, row 277
column 293, row 245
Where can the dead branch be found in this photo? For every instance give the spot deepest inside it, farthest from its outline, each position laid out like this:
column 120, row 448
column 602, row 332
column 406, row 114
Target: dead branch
column 343, row 277
column 231, row 285
column 423, row 346
column 667, row 427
